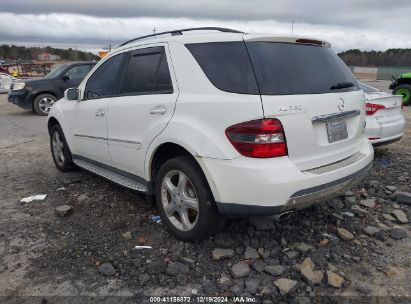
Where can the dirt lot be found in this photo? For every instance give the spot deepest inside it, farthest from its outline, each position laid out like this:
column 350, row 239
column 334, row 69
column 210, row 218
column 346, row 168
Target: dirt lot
column 89, row 252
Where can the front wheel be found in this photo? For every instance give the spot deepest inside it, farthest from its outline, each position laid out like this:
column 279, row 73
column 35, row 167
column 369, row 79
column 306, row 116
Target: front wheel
column 43, row 103
column 185, row 201
column 60, row 150
column 405, row 91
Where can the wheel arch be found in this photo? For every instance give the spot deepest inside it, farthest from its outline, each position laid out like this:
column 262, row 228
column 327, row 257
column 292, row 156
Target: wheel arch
column 162, row 153
column 404, row 80
column 51, row 122
column 168, row 150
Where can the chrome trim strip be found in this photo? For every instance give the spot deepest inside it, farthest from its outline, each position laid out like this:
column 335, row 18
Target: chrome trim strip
column 110, row 139
column 124, row 141
column 328, row 117
column 337, row 165
column 91, row 137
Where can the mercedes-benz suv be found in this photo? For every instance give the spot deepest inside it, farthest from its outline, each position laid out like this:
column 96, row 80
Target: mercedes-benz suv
column 217, row 123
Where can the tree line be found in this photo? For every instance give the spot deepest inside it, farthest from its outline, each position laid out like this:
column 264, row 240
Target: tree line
column 390, row 57
column 354, row 57
column 14, row 52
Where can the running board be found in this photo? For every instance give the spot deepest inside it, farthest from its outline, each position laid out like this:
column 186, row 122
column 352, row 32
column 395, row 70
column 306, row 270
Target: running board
column 110, row 175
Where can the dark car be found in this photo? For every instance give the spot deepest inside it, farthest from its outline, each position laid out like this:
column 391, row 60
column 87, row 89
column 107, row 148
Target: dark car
column 40, row 94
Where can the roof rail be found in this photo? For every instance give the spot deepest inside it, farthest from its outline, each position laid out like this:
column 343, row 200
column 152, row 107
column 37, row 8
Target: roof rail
column 180, row 32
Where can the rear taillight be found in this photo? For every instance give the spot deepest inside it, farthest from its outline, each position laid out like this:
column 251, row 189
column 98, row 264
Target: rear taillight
column 263, row 138
column 371, row 108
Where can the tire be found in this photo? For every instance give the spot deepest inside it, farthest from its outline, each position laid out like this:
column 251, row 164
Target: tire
column 43, row 103
column 59, row 150
column 201, row 224
column 405, row 91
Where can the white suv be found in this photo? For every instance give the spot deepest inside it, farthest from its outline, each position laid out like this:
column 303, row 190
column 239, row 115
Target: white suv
column 217, row 124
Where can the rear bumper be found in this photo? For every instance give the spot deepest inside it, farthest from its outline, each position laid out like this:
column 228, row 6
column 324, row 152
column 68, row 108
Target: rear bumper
column 385, row 141
column 301, row 199
column 246, row 187
column 384, row 132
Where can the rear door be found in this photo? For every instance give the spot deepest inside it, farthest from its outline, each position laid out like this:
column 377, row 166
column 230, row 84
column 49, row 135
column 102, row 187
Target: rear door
column 143, row 109
column 316, row 98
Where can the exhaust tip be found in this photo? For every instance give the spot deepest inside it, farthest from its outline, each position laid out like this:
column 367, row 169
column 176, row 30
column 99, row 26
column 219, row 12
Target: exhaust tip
column 282, row 216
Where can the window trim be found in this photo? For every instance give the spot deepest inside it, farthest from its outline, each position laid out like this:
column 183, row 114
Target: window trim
column 144, row 52
column 126, row 60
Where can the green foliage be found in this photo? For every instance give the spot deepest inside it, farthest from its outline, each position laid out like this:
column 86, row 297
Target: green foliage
column 390, row 57
column 14, row 52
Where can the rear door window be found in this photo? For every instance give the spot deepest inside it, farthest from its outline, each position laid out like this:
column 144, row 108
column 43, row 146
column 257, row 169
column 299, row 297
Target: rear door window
column 147, row 73
column 227, row 65
column 287, row 69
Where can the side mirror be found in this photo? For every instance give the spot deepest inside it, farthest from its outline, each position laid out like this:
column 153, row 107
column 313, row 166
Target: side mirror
column 72, row 94
column 66, row 77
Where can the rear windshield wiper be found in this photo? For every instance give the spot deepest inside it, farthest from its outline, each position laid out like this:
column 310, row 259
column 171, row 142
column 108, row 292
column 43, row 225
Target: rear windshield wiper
column 342, row 85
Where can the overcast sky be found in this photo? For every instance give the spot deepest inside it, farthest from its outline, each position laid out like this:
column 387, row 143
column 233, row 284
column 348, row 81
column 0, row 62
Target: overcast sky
column 347, row 24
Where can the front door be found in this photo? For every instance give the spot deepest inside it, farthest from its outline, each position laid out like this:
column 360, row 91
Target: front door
column 88, row 117
column 143, row 109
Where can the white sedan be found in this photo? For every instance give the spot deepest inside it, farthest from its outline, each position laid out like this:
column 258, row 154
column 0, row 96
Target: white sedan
column 385, row 123
column 5, row 82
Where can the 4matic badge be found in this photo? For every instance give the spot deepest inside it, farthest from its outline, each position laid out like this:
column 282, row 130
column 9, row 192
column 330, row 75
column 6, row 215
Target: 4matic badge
column 290, row 108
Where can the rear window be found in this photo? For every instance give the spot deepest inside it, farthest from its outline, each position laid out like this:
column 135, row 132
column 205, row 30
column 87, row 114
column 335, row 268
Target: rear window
column 227, row 66
column 279, row 68
column 287, row 69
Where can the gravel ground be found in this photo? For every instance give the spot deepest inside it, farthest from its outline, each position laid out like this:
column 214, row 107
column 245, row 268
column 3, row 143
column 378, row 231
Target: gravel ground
column 354, row 248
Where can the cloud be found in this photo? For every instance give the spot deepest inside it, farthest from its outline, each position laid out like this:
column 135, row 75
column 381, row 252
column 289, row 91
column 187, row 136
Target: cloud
column 333, row 12
column 90, row 30
column 368, row 25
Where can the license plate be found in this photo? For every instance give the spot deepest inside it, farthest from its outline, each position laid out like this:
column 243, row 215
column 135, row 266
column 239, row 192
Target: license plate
column 336, row 130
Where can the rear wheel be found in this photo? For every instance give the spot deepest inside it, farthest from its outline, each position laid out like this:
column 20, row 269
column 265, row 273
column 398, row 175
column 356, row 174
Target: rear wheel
column 43, row 103
column 184, row 200
column 405, row 91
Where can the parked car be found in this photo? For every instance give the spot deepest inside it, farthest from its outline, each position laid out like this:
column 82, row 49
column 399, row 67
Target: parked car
column 385, row 123
column 217, row 124
column 5, row 82
column 402, row 86
column 40, row 94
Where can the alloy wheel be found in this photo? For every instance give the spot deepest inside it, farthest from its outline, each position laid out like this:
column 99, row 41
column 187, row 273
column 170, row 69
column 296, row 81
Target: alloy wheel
column 45, row 104
column 58, row 148
column 179, row 200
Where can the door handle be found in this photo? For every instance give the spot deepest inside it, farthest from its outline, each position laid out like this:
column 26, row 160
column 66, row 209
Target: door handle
column 161, row 109
column 100, row 113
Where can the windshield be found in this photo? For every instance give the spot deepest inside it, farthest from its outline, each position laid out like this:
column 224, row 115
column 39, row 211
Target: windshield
column 54, row 73
column 367, row 89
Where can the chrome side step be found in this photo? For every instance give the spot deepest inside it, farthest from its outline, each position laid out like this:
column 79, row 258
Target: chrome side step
column 110, row 175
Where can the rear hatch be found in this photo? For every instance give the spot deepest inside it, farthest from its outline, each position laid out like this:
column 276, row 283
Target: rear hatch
column 315, row 96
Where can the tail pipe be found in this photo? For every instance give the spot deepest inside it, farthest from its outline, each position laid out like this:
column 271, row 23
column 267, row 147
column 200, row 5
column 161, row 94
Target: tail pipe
column 282, row 216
